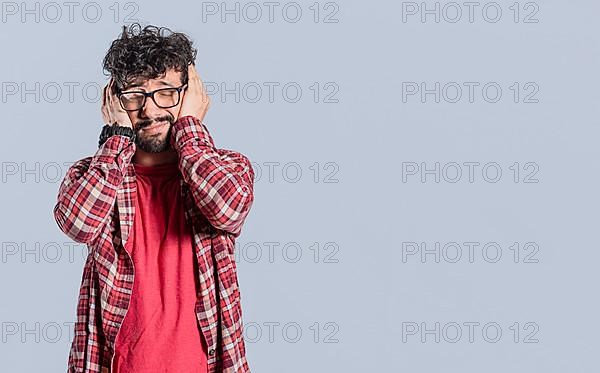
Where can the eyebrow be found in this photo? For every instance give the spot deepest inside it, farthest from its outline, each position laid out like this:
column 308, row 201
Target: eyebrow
column 139, row 84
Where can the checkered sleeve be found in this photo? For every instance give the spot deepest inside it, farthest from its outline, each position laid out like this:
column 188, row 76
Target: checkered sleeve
column 221, row 181
column 88, row 191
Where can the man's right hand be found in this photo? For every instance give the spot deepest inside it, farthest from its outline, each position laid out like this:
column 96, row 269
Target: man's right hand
column 112, row 112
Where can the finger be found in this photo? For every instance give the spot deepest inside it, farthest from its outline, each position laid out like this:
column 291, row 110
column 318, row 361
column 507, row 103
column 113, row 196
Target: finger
column 189, row 74
column 110, row 93
column 200, row 83
column 110, row 101
column 111, row 90
column 104, row 107
column 105, row 116
column 193, row 73
column 104, row 95
column 205, row 109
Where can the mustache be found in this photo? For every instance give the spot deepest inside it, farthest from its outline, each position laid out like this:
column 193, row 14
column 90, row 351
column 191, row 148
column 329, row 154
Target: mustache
column 147, row 122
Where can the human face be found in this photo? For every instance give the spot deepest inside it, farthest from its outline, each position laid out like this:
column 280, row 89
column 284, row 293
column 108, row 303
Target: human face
column 151, row 123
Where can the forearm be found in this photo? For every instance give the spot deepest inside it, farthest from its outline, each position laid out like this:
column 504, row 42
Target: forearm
column 88, row 191
column 221, row 181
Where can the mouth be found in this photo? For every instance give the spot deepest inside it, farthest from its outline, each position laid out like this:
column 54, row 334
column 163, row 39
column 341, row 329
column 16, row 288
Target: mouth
column 154, row 128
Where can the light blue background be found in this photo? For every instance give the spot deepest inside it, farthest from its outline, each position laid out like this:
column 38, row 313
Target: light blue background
column 370, row 212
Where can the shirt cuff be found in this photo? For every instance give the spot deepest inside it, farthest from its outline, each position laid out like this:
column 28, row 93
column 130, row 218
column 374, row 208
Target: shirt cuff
column 190, row 128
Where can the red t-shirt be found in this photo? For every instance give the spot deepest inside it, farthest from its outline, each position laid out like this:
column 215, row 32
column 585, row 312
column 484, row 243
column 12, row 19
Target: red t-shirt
column 160, row 332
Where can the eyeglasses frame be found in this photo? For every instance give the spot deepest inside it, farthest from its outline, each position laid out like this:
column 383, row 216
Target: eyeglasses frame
column 151, row 95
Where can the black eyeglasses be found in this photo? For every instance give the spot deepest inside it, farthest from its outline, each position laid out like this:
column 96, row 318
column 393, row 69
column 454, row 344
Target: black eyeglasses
column 163, row 98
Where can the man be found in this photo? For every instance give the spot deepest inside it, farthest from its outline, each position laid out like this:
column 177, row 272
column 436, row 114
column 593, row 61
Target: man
column 160, row 208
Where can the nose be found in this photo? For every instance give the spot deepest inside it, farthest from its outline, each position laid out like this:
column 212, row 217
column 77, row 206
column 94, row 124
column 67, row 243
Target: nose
column 150, row 109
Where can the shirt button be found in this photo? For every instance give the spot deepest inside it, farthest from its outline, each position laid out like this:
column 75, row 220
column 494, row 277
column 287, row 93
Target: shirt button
column 211, row 352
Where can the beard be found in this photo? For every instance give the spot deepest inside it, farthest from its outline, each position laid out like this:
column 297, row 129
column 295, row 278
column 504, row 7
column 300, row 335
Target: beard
column 156, row 143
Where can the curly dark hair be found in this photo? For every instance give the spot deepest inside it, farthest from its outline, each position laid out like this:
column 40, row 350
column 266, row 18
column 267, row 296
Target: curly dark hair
column 148, row 52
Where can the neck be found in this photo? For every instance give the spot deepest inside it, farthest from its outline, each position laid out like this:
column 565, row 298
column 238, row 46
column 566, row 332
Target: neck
column 154, row 159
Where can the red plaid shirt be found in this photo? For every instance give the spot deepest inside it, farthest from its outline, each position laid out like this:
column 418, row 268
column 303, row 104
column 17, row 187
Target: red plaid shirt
column 95, row 206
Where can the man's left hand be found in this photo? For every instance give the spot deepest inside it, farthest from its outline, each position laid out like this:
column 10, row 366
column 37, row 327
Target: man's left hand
column 195, row 100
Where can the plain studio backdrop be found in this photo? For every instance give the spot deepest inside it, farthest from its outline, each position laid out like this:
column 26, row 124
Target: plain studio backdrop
column 426, row 193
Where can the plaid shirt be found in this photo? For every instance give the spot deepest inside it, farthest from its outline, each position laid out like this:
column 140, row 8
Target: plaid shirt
column 95, row 206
